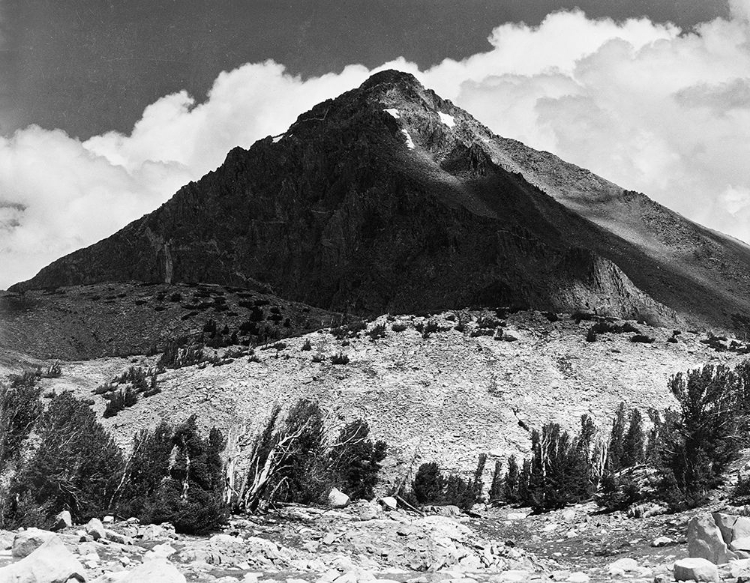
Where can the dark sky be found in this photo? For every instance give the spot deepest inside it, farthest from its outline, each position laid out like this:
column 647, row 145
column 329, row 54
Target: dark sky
column 88, row 66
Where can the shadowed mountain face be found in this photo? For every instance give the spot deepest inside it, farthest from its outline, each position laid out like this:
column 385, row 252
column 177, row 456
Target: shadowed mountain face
column 390, row 199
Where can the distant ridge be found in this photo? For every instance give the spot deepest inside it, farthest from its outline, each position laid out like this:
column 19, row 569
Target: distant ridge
column 391, row 199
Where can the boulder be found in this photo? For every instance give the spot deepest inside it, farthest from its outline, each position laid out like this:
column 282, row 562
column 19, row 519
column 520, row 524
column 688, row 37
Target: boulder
column 705, row 540
column 337, row 499
column 389, row 503
column 29, row 540
column 367, row 511
column 116, row 537
column 62, row 520
column 95, row 529
column 622, row 566
column 696, row 569
column 50, row 563
column 741, row 544
column 662, row 541
column 156, row 571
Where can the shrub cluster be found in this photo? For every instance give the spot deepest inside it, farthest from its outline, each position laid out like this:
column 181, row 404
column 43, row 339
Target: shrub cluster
column 293, row 461
column 430, row 486
column 172, row 474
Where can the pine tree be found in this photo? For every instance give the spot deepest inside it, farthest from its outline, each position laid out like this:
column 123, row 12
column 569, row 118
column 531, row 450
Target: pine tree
column 478, row 483
column 497, row 490
column 511, row 487
column 616, row 440
column 632, row 448
column 428, row 484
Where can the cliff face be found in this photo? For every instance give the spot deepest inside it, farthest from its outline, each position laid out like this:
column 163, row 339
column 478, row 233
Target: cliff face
column 389, row 198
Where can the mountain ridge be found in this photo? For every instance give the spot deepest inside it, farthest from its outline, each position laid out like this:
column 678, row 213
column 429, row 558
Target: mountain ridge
column 389, row 198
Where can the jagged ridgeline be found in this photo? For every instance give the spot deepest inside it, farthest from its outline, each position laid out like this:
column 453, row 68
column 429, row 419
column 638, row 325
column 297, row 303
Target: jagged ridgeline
column 391, row 199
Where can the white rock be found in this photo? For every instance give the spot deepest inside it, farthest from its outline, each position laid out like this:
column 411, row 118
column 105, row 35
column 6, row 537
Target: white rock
column 95, row 529
column 662, row 541
column 622, row 566
column 740, row 544
column 62, row 520
column 156, row 571
column 50, row 563
column 705, row 540
column 568, row 515
column 337, row 499
column 512, row 575
column 578, row 577
column 516, row 516
column 696, row 569
column 108, row 520
column 389, row 502
column 29, row 540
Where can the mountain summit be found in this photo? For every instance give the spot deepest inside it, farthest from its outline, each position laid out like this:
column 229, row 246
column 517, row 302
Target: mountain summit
column 391, row 199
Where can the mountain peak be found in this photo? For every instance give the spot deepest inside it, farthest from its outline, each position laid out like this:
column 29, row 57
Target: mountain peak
column 391, row 77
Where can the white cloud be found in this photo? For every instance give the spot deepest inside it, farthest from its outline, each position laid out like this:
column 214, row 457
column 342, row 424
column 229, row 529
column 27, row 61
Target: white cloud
column 646, row 105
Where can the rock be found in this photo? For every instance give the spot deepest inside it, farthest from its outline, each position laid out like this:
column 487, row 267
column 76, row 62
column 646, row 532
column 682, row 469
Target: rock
column 367, row 511
column 568, row 515
column 133, row 520
column 662, row 541
column 560, row 575
column 95, row 529
column 622, row 566
column 62, row 520
column 578, row 577
column 156, row 571
column 116, row 537
column 108, row 520
column 511, row 575
column 705, row 540
column 516, row 516
column 389, row 503
column 737, row 568
column 153, row 532
column 50, row 563
column 696, row 569
column 645, row 510
column 337, row 499
column 448, row 510
column 741, row 544
column 29, row 540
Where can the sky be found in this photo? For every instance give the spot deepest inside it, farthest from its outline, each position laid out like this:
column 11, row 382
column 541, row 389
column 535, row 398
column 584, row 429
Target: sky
column 107, row 107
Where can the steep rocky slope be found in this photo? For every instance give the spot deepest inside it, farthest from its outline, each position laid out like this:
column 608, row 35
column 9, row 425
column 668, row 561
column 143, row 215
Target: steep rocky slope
column 446, row 397
column 390, row 199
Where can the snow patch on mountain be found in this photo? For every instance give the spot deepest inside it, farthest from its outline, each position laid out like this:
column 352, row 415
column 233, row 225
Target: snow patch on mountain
column 409, row 141
column 447, row 119
column 393, row 112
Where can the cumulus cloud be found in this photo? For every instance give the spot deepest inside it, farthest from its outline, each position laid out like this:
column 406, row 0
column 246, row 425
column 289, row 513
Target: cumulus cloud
column 646, row 105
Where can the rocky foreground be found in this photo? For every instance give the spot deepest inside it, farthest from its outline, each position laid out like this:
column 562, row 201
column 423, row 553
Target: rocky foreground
column 376, row 542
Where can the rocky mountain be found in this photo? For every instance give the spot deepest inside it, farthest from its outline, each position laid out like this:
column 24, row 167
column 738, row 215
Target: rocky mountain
column 391, row 199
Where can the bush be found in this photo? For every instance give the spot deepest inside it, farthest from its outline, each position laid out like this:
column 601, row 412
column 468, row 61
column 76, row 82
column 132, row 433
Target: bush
column 591, row 335
column 339, row 358
column 19, row 409
column 431, row 487
column 119, row 401
column 307, row 345
column 76, row 466
column 354, row 461
column 191, row 496
column 377, row 331
column 398, row 326
column 642, row 338
column 428, row 484
column 700, row 441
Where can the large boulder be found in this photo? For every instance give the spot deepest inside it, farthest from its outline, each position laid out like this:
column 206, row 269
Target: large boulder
column 337, row 499
column 155, row 571
column 29, row 540
column 705, row 540
column 696, row 569
column 50, row 563
column 95, row 529
column 62, row 520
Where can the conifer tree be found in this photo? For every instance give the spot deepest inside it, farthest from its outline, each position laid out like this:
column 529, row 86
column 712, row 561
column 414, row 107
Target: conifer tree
column 616, row 440
column 497, row 490
column 633, row 442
